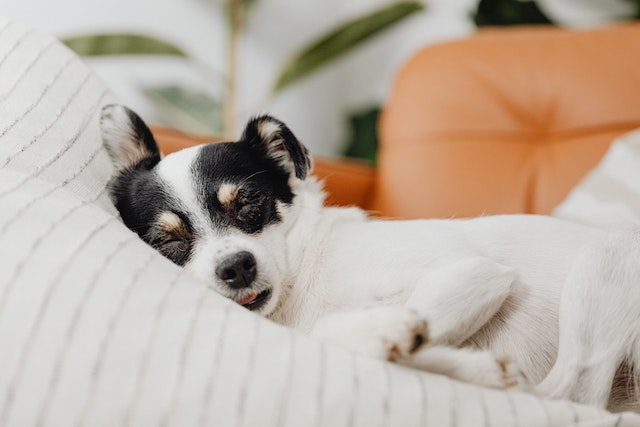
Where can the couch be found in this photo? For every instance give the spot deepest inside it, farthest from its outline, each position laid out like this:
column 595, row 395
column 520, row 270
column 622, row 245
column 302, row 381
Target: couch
column 508, row 121
column 97, row 329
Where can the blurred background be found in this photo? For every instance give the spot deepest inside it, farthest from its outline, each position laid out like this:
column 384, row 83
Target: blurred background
column 324, row 67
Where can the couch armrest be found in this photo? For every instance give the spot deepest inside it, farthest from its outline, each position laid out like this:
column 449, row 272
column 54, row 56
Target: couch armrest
column 170, row 140
column 347, row 182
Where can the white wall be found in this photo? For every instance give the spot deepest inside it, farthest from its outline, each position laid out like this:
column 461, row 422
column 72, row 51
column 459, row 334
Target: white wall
column 316, row 109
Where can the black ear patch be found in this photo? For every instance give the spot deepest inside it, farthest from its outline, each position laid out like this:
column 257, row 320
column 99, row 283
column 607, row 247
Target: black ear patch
column 127, row 139
column 274, row 139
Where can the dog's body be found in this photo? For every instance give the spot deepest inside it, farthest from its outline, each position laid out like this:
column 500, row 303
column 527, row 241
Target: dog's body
column 246, row 218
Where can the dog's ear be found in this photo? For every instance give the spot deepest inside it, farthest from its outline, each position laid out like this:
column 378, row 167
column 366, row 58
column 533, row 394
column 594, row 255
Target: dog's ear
column 127, row 139
column 273, row 139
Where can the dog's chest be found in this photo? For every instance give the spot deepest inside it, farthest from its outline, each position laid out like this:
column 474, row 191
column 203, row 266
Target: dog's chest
column 359, row 267
column 371, row 263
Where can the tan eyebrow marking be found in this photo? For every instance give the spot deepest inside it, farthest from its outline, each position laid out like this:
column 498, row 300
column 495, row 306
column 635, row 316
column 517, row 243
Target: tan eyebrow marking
column 227, row 194
column 168, row 220
column 170, row 223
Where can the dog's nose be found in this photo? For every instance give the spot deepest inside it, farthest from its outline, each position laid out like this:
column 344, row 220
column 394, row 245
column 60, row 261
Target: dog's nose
column 238, row 270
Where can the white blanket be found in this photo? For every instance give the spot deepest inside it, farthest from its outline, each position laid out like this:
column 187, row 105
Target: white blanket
column 97, row 329
column 610, row 193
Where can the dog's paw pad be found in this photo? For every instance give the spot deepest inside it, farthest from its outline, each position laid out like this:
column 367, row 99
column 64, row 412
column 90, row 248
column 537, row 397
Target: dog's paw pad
column 512, row 375
column 397, row 332
column 419, row 340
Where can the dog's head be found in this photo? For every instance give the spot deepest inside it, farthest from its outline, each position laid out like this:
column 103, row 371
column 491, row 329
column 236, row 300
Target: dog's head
column 221, row 210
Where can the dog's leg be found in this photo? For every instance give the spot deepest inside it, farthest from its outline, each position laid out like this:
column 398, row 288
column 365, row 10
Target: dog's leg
column 465, row 364
column 379, row 332
column 459, row 298
column 398, row 334
column 599, row 320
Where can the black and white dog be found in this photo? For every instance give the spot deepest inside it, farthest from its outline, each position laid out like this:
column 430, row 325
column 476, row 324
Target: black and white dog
column 561, row 300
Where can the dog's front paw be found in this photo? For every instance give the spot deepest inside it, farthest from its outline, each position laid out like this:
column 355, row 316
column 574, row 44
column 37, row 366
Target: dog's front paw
column 381, row 332
column 511, row 376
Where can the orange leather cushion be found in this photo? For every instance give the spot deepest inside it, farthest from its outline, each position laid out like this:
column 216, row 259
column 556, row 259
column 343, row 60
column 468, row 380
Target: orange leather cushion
column 347, row 182
column 171, row 140
column 506, row 121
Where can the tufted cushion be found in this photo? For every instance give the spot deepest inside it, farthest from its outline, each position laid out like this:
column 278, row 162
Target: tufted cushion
column 507, row 121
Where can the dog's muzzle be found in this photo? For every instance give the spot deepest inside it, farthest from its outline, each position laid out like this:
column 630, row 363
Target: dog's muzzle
column 239, row 271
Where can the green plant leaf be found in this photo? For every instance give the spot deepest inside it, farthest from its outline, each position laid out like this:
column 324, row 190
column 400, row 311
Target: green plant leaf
column 509, row 12
column 121, row 44
column 246, row 4
column 636, row 3
column 187, row 109
column 363, row 136
column 341, row 40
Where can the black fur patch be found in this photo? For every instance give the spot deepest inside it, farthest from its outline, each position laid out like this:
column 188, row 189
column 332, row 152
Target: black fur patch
column 141, row 198
column 259, row 180
column 144, row 136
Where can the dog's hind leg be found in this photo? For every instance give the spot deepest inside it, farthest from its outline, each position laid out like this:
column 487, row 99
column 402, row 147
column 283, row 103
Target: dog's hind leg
column 460, row 298
column 578, row 376
column 599, row 320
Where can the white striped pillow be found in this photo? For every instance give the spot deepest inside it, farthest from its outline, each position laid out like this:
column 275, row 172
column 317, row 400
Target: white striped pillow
column 610, row 193
column 49, row 107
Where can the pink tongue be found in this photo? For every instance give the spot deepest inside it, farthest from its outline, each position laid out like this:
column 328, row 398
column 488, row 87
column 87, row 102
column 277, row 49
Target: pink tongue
column 249, row 298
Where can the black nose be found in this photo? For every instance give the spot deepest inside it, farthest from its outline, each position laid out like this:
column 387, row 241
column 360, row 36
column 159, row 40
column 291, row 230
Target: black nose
column 238, row 270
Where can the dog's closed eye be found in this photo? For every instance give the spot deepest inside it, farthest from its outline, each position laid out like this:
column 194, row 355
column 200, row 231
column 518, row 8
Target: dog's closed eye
column 250, row 207
column 172, row 237
column 240, row 203
column 174, row 244
column 245, row 208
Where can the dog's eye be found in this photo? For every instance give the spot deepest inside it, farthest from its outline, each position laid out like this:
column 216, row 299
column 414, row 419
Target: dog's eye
column 176, row 249
column 247, row 211
column 172, row 236
column 179, row 245
column 250, row 211
column 249, row 207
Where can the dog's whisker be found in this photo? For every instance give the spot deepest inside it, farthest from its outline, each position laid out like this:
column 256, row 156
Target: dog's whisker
column 253, row 175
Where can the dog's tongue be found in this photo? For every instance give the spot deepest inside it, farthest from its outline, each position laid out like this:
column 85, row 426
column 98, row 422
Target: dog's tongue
column 248, row 299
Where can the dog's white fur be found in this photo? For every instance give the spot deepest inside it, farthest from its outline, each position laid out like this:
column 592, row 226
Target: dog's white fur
column 517, row 286
column 496, row 283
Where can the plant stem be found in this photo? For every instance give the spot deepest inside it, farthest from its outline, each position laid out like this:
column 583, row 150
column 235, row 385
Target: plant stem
column 236, row 20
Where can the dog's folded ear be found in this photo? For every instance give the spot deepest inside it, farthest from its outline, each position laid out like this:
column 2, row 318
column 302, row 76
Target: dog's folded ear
column 273, row 139
column 127, row 139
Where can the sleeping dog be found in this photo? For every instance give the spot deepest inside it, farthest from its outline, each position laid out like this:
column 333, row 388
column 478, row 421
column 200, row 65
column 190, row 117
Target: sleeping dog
column 558, row 299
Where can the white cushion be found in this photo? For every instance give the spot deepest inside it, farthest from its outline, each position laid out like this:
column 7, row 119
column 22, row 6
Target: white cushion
column 610, row 193
column 97, row 329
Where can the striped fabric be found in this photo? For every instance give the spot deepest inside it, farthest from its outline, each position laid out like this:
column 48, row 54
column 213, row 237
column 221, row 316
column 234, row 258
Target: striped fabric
column 97, row 329
column 610, row 193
